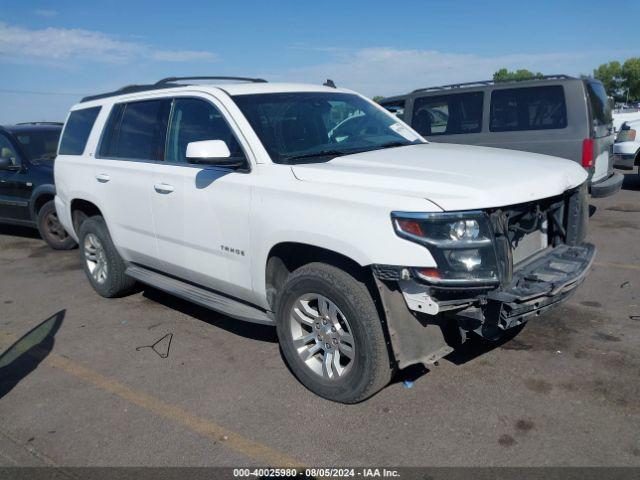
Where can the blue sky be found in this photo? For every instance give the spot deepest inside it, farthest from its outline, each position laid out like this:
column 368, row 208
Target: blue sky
column 69, row 48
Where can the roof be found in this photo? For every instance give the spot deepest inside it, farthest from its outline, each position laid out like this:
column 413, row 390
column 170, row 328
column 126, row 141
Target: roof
column 250, row 88
column 227, row 84
column 33, row 127
column 489, row 83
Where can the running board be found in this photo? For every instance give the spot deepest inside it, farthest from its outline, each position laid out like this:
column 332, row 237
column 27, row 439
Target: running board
column 201, row 296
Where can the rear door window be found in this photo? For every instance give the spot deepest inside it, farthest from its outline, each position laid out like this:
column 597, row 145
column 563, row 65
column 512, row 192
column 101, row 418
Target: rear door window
column 77, row 130
column 136, row 130
column 529, row 108
column 448, row 114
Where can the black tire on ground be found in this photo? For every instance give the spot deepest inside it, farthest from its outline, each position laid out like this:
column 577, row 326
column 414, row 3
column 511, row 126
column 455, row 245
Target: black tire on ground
column 371, row 370
column 51, row 230
column 116, row 282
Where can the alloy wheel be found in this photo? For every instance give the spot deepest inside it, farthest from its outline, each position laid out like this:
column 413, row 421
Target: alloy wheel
column 322, row 336
column 96, row 258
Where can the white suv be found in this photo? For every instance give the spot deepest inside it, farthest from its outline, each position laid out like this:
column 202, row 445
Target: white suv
column 313, row 209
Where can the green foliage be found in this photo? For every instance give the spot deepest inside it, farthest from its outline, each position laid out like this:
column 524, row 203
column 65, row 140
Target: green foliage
column 378, row 98
column 610, row 74
column 622, row 81
column 504, row 75
column 631, row 75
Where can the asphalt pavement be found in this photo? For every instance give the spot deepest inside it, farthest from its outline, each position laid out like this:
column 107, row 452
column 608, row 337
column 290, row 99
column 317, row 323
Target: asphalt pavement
column 82, row 391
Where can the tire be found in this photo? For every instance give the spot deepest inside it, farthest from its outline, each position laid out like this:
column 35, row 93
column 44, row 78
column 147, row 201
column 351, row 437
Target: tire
column 350, row 380
column 101, row 261
column 51, row 230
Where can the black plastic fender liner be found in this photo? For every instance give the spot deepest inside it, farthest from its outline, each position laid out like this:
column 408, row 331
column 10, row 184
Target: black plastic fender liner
column 415, row 338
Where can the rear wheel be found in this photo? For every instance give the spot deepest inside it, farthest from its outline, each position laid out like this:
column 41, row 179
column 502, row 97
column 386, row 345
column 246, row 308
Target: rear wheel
column 101, row 261
column 51, row 230
column 331, row 334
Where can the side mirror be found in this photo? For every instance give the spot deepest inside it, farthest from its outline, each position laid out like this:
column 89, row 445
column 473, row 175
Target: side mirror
column 213, row 152
column 7, row 164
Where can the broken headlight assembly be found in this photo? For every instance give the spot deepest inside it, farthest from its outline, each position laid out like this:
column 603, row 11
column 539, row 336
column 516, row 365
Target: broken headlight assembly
column 461, row 243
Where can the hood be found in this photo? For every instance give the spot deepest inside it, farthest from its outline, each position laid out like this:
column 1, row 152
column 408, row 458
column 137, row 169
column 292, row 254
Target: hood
column 455, row 177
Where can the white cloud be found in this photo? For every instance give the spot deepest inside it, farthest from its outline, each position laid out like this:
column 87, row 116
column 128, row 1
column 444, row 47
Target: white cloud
column 46, row 13
column 388, row 71
column 54, row 45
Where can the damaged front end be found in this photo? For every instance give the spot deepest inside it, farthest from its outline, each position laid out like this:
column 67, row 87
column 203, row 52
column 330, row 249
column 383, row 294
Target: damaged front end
column 496, row 269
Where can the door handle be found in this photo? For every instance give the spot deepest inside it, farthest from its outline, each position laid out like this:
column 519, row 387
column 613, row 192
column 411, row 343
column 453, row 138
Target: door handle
column 103, row 177
column 163, row 188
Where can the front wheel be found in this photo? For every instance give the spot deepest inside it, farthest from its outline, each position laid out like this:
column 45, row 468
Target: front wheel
column 331, row 334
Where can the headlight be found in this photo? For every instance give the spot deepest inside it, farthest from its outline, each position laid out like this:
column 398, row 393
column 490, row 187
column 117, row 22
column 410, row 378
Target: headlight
column 460, row 242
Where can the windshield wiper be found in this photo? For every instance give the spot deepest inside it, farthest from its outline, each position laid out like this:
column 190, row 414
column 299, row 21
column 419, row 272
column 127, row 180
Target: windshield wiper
column 395, row 144
column 321, row 153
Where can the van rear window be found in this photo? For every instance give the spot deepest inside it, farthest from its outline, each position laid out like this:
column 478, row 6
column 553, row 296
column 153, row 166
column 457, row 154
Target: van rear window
column 599, row 103
column 77, row 130
column 528, row 108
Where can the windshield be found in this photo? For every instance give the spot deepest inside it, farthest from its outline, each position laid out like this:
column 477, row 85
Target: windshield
column 304, row 127
column 39, row 145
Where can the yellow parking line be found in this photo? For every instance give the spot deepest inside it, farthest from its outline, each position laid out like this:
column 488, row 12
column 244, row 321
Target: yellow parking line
column 154, row 405
column 617, row 265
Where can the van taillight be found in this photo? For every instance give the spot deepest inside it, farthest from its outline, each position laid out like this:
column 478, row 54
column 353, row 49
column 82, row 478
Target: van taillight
column 587, row 153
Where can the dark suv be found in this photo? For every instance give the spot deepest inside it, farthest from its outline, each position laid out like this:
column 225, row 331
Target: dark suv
column 27, row 151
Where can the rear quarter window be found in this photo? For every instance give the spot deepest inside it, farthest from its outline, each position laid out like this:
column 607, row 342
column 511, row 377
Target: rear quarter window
column 453, row 114
column 396, row 107
column 528, row 108
column 76, row 131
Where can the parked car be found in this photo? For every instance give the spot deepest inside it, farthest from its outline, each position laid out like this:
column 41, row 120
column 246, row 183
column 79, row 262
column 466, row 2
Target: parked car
column 27, row 151
column 557, row 115
column 626, row 149
column 369, row 250
column 619, row 118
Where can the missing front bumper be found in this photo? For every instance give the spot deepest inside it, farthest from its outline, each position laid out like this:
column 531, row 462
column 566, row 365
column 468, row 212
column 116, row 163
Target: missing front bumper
column 538, row 286
column 416, row 336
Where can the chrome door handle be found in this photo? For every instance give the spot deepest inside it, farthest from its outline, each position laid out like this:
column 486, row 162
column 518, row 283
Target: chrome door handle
column 163, row 188
column 103, row 177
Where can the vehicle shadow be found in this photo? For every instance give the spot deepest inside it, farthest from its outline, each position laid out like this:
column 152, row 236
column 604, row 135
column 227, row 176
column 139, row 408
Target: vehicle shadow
column 24, row 356
column 19, row 231
column 254, row 331
column 206, row 177
column 631, row 181
column 474, row 347
column 477, row 346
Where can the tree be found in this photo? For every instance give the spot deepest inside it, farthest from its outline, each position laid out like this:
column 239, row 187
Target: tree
column 378, row 98
column 612, row 77
column 631, row 78
column 504, row 75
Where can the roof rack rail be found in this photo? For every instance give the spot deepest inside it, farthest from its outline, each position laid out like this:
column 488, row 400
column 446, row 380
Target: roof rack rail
column 168, row 82
column 40, row 123
column 207, row 77
column 483, row 83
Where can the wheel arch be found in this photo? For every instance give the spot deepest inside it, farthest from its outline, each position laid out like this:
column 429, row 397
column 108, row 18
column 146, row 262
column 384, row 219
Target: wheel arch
column 40, row 195
column 82, row 209
column 287, row 256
